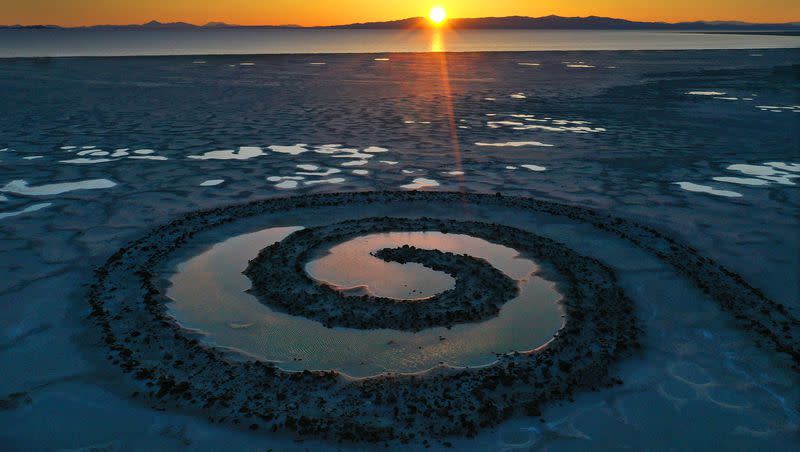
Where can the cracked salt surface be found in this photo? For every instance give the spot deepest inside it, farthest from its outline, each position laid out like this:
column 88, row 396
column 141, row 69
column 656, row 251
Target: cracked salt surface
column 21, row 187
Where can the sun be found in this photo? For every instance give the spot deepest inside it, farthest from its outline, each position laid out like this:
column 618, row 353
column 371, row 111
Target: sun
column 437, row 15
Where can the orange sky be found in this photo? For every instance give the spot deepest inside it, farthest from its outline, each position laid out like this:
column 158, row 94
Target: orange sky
column 310, row 12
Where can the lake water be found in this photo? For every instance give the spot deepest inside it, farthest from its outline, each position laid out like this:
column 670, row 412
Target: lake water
column 209, row 293
column 41, row 43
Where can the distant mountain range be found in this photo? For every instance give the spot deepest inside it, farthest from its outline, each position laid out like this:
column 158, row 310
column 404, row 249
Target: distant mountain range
column 483, row 23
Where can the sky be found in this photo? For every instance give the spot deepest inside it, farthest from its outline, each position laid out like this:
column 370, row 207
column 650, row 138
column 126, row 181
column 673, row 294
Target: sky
column 327, row 12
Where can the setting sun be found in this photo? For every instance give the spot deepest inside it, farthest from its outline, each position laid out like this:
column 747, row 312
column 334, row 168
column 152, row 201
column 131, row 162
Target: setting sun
column 437, row 15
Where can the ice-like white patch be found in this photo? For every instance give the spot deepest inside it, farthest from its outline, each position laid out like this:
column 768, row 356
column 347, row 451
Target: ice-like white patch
column 580, row 65
column 244, row 153
column 148, row 157
column 726, row 98
column 144, row 151
column 754, row 170
column 706, row 93
column 212, row 182
column 529, row 64
column 742, row 181
column 511, row 167
column 87, row 152
column 409, row 121
column 557, row 125
column 67, row 148
column 87, row 161
column 697, row 188
column 327, row 172
column 33, row 157
column 534, row 167
column 519, row 96
column 360, row 172
column 31, row 208
column 21, row 187
column 287, row 184
column 247, row 64
column 778, row 172
column 280, row 178
column 306, row 167
column 779, row 109
column 375, row 150
column 344, row 153
column 490, row 99
column 793, row 167
column 420, row 182
column 296, row 149
column 120, row 153
column 406, row 171
column 782, row 180
column 355, row 163
column 99, row 154
column 333, row 180
column 455, row 173
column 515, row 144
column 498, row 124
column 389, row 162
column 88, row 147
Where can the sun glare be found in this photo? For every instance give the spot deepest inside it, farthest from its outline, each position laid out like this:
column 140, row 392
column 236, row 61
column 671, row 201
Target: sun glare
column 437, row 15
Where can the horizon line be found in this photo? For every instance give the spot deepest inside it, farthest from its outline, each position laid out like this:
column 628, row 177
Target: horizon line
column 421, row 18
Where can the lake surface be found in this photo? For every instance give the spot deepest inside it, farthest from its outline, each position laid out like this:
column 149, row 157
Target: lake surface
column 55, row 43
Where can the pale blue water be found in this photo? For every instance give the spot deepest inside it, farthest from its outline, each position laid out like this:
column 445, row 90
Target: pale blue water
column 38, row 43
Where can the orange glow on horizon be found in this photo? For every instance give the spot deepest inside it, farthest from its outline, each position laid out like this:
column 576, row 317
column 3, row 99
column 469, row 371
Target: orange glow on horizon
column 318, row 12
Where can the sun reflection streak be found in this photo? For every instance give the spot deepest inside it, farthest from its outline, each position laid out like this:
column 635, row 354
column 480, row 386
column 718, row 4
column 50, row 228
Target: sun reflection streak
column 438, row 47
column 436, row 42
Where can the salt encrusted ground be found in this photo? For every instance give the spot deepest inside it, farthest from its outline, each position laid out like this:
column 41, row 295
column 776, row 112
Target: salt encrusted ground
column 698, row 383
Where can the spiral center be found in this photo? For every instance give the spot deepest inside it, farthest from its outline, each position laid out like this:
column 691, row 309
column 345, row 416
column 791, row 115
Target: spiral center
column 355, row 268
